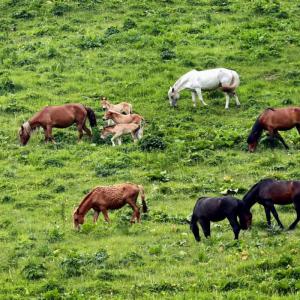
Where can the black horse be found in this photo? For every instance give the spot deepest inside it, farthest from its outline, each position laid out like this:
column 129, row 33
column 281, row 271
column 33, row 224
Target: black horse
column 268, row 192
column 217, row 209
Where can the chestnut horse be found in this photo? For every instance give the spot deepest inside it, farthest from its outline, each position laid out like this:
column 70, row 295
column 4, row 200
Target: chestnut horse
column 103, row 198
column 268, row 192
column 217, row 209
column 61, row 116
column 274, row 120
column 122, row 107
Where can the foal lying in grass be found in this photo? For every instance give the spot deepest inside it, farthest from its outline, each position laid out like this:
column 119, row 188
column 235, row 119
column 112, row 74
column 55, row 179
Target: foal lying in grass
column 120, row 129
column 217, row 209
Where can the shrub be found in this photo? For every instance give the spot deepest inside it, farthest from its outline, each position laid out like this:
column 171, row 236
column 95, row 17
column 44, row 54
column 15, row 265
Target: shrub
column 59, row 9
column 129, row 24
column 7, row 85
column 23, row 14
column 7, row 199
column 159, row 176
column 52, row 162
column 34, row 271
column 55, row 235
column 111, row 31
column 150, row 143
column 90, row 42
column 167, row 54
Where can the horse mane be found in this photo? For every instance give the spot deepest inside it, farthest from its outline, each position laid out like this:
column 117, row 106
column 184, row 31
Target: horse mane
column 253, row 190
column 83, row 201
column 256, row 131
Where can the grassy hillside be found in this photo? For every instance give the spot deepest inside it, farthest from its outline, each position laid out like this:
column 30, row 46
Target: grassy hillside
column 55, row 52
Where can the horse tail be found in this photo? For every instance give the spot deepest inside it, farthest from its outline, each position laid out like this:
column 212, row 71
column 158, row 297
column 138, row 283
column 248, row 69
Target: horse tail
column 140, row 130
column 91, row 116
column 144, row 204
column 235, row 82
column 136, row 132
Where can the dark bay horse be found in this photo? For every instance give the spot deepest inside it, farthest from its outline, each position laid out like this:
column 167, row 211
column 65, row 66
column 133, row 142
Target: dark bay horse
column 61, row 116
column 274, row 120
column 104, row 198
column 217, row 209
column 268, row 192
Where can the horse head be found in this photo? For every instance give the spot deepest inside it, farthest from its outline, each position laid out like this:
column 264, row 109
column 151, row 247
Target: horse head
column 104, row 103
column 78, row 219
column 24, row 133
column 246, row 220
column 173, row 96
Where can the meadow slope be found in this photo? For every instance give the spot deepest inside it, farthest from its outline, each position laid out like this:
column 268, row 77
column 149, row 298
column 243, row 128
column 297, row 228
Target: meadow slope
column 55, row 52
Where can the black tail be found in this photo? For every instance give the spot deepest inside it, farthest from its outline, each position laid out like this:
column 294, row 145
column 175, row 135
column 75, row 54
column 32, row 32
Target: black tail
column 91, row 116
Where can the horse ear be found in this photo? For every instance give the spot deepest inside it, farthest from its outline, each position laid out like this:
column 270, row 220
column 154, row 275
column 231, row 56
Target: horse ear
column 173, row 90
column 22, row 128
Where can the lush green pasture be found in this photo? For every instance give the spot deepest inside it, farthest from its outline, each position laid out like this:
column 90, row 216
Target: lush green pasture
column 54, row 52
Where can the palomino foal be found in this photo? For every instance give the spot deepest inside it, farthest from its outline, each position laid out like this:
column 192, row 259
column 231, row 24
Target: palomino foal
column 103, row 198
column 121, row 108
column 197, row 81
column 125, row 119
column 120, row 129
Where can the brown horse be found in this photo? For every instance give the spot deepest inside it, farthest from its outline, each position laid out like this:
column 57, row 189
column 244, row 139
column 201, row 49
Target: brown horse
column 274, row 120
column 268, row 192
column 59, row 117
column 103, row 198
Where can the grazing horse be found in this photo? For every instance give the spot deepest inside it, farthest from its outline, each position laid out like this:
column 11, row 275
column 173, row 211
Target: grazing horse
column 125, row 119
column 122, row 108
column 59, row 117
column 120, row 129
column 268, row 192
column 197, row 81
column 217, row 209
column 274, row 120
column 103, row 198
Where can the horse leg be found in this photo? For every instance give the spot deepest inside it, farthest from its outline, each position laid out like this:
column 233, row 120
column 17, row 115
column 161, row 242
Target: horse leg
column 297, row 208
column 119, row 141
column 205, row 224
column 136, row 211
column 268, row 215
column 105, row 214
column 275, row 214
column 87, row 131
column 134, row 137
column 235, row 225
column 80, row 132
column 227, row 100
column 49, row 134
column 199, row 93
column 236, row 99
column 96, row 215
column 195, row 229
column 281, row 139
column 194, row 98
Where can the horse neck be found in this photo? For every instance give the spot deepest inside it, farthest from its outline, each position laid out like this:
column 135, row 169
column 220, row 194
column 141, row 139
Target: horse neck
column 251, row 197
column 85, row 205
column 179, row 85
column 34, row 122
column 115, row 116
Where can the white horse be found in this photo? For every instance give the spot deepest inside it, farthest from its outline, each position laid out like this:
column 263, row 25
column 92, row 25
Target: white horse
column 197, row 81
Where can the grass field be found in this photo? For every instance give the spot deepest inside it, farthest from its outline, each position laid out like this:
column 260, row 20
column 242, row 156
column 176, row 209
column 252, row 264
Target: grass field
column 55, row 52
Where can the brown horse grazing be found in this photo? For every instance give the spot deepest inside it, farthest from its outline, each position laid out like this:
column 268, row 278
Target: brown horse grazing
column 125, row 119
column 59, row 117
column 274, row 120
column 268, row 192
column 103, row 198
column 122, row 107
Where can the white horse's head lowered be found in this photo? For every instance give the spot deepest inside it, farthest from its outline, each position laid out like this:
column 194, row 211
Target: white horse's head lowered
column 173, row 96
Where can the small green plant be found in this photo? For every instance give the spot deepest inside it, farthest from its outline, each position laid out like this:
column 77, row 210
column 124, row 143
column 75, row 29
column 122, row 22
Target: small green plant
column 34, row 271
column 150, row 143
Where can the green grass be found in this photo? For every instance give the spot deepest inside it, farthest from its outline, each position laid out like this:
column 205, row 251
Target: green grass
column 54, row 52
